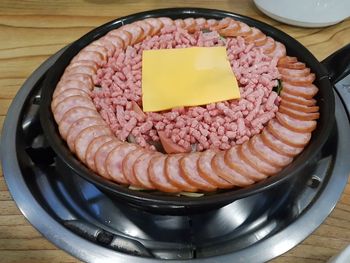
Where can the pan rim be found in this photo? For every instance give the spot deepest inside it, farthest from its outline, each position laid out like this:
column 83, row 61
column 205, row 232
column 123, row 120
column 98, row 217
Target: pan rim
column 175, row 201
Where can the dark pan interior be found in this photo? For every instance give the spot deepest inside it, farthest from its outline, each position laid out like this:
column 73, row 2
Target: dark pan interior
column 325, row 99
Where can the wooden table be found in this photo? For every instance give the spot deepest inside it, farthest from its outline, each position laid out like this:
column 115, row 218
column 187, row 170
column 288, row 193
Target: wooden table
column 31, row 31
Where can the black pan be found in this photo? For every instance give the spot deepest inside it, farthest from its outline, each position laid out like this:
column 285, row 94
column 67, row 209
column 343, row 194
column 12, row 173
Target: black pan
column 327, row 74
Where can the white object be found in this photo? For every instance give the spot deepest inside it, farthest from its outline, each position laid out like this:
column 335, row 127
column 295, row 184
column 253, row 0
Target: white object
column 342, row 257
column 306, row 13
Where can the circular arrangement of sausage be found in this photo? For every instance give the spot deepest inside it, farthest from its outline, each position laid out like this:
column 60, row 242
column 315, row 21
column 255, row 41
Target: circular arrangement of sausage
column 230, row 144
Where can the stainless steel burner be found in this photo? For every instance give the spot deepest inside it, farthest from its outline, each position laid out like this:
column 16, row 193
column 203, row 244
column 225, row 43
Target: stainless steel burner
column 90, row 225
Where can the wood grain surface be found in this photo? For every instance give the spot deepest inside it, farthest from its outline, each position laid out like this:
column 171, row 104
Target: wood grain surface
column 31, row 31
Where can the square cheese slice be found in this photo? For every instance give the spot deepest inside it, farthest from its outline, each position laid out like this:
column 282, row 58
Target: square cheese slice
column 180, row 77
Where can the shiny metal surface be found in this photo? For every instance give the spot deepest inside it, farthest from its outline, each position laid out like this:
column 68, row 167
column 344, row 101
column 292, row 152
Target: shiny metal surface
column 80, row 219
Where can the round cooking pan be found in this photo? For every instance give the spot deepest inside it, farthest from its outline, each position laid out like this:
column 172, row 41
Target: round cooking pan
column 327, row 73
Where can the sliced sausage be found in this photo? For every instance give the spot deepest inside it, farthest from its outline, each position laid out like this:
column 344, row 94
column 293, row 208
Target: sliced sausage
column 97, row 48
column 227, row 173
column 85, row 137
column 136, row 32
column 207, row 172
column 190, row 24
column 65, row 84
column 223, row 23
column 212, row 23
column 180, row 23
column 166, row 21
column 260, row 41
column 269, row 46
column 297, row 99
column 88, row 70
column 292, row 65
column 299, row 107
column 136, row 108
column 141, row 170
column 103, row 42
column 174, row 175
column 124, row 35
column 92, row 148
column 89, row 63
column 128, row 166
column 253, row 160
column 296, row 139
column 80, row 125
column 295, row 124
column 286, row 60
column 101, row 156
column 244, row 29
column 299, row 80
column 256, row 34
column 89, row 55
column 305, row 91
column 294, row 72
column 114, row 162
column 234, row 161
column 69, row 103
column 156, row 25
column 232, row 29
column 299, row 115
column 201, row 22
column 72, row 116
column 146, row 27
column 278, row 146
column 85, row 78
column 115, row 40
column 279, row 51
column 156, row 171
column 68, row 93
column 169, row 146
column 264, row 152
column 189, row 169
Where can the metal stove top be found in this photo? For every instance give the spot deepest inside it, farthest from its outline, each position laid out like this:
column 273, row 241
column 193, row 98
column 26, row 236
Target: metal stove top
column 77, row 217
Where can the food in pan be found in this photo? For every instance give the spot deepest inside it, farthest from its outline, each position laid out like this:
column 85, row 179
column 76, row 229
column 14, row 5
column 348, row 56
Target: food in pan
column 98, row 108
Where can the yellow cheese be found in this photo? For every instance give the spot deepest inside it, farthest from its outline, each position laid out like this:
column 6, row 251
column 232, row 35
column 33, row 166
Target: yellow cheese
column 186, row 77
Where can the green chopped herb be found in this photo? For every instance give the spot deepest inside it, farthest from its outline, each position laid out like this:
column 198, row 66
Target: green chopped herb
column 205, row 30
column 223, row 38
column 278, row 88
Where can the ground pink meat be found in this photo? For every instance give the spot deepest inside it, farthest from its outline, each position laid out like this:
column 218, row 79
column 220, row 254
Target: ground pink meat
column 217, row 125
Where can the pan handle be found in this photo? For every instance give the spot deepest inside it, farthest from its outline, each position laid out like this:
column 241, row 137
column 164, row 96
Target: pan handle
column 338, row 64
